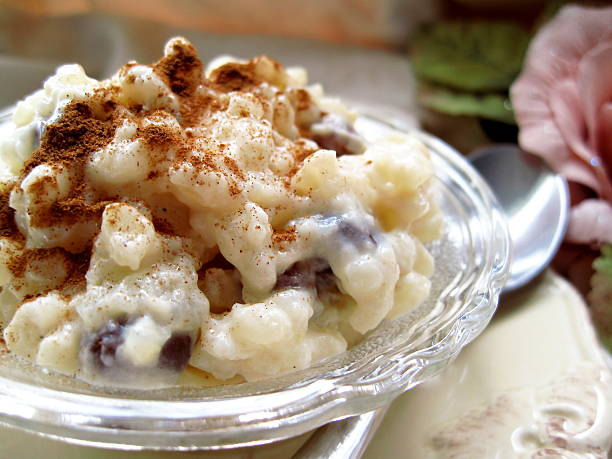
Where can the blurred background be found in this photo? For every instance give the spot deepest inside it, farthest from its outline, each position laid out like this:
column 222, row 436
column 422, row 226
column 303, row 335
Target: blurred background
column 358, row 49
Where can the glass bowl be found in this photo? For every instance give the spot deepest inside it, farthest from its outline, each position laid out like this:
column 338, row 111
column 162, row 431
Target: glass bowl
column 472, row 261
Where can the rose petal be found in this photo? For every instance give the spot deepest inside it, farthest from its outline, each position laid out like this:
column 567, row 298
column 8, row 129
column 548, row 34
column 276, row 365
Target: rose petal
column 590, row 222
column 561, row 44
column 563, row 119
column 595, row 86
column 595, row 83
column 605, row 133
column 566, row 109
column 544, row 135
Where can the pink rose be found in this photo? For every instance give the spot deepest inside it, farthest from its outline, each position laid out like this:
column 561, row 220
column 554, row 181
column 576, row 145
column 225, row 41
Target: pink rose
column 563, row 105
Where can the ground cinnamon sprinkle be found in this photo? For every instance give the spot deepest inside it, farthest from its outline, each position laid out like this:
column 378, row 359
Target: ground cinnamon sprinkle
column 72, row 138
column 69, row 142
column 284, row 235
column 157, row 136
column 76, row 266
column 233, row 166
column 234, row 76
column 8, row 228
column 203, row 160
column 39, row 188
column 234, row 187
column 300, row 152
column 303, row 99
column 69, row 211
column 18, row 264
column 198, row 106
column 87, row 127
column 182, row 70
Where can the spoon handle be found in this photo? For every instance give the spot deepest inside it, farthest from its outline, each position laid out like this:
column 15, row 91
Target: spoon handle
column 344, row 439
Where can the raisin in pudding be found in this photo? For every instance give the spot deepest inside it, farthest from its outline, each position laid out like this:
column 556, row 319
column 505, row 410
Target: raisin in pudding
column 226, row 218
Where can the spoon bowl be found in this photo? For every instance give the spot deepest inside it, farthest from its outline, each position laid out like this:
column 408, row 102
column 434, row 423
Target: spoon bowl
column 536, row 203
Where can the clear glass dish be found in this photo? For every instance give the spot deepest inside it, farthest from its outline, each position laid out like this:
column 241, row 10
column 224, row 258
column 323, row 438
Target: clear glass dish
column 472, row 261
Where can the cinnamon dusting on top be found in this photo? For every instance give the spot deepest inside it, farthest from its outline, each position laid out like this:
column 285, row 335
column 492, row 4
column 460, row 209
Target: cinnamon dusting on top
column 304, row 100
column 182, row 69
column 74, row 265
column 8, row 228
column 25, row 260
column 234, row 187
column 71, row 139
column 281, row 237
column 233, row 166
column 234, row 76
column 284, row 235
column 201, row 104
column 69, row 142
column 158, row 136
column 87, row 127
column 300, row 152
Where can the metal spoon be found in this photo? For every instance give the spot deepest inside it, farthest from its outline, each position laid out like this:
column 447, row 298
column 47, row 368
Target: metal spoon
column 536, row 202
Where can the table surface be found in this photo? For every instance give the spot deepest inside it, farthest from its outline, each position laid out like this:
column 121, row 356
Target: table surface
column 534, row 384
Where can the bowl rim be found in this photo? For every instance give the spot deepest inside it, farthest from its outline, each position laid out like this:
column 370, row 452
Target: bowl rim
column 183, row 425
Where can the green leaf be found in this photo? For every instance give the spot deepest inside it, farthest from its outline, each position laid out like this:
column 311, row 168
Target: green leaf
column 491, row 106
column 603, row 264
column 470, row 56
column 600, row 296
column 606, row 342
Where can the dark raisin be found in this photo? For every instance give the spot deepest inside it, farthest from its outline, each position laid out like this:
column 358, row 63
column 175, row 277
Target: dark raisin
column 314, row 273
column 356, row 235
column 105, row 341
column 176, row 352
column 334, row 132
column 325, row 281
column 296, row 276
column 301, row 274
column 318, row 264
column 326, row 284
column 334, row 142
